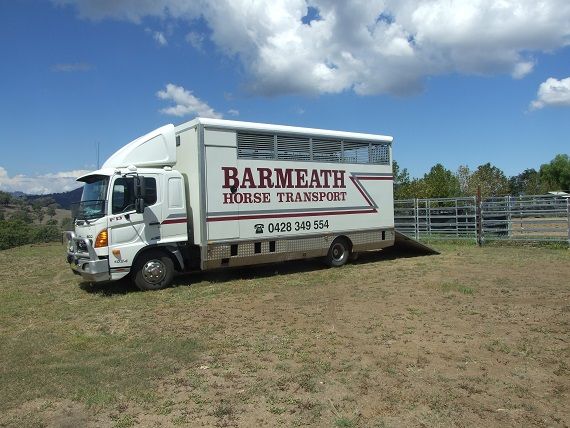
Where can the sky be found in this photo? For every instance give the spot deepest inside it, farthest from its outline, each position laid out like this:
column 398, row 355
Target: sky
column 459, row 82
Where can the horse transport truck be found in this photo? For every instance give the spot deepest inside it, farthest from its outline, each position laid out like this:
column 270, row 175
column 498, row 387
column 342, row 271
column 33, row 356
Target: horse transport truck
column 211, row 193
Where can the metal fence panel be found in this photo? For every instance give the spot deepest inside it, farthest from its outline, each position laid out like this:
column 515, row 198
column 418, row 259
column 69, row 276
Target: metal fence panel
column 442, row 218
column 528, row 218
column 405, row 217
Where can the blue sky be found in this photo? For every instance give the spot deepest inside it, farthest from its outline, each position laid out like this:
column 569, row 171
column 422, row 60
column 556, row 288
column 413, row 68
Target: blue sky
column 453, row 82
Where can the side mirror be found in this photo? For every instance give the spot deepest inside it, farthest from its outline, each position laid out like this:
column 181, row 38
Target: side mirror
column 139, row 205
column 139, row 187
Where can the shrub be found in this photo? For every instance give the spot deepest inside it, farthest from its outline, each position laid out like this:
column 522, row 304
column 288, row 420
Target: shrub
column 14, row 233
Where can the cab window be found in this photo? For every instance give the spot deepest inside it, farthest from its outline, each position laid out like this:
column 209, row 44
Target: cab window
column 123, row 198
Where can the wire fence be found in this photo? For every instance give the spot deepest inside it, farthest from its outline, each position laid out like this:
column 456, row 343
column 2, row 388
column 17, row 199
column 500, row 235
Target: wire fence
column 522, row 218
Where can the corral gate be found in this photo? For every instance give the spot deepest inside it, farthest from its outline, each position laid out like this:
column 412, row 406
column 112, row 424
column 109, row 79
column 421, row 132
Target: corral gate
column 525, row 218
column 446, row 218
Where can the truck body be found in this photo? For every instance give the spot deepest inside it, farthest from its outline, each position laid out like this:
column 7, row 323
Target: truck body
column 213, row 193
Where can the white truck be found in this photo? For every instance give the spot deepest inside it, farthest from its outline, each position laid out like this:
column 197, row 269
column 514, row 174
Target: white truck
column 212, row 193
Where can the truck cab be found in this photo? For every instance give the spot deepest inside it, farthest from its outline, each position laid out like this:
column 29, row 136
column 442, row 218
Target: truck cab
column 129, row 217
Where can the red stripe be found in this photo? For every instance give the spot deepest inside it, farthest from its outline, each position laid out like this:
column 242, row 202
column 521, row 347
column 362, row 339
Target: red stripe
column 357, row 185
column 387, row 177
column 175, row 220
column 252, row 217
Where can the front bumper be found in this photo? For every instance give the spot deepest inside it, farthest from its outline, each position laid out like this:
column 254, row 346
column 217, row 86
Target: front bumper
column 84, row 261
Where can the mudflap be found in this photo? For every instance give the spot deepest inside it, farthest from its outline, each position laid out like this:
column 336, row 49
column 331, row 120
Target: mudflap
column 405, row 244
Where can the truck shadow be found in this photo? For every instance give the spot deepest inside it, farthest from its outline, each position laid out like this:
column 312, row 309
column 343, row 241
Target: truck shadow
column 284, row 268
column 221, row 276
column 111, row 288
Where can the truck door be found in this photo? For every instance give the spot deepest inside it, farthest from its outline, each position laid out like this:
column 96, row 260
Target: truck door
column 222, row 211
column 129, row 231
column 175, row 223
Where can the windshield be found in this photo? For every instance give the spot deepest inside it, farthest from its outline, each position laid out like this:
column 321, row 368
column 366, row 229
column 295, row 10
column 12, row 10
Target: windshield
column 93, row 199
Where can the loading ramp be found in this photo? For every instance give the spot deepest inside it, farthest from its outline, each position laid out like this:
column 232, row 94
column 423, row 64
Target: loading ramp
column 406, row 244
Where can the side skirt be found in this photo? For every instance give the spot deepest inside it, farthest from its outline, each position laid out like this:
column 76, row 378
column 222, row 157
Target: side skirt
column 251, row 252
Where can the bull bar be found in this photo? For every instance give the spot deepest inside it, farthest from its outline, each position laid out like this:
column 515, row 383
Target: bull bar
column 84, row 261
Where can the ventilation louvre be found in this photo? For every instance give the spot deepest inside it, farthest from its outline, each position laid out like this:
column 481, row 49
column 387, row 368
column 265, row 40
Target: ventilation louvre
column 256, row 146
column 304, row 148
column 293, row 148
column 327, row 150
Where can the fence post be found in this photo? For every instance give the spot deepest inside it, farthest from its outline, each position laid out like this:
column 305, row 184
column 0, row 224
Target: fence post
column 456, row 218
column 479, row 219
column 509, row 217
column 428, row 217
column 474, row 215
column 416, row 220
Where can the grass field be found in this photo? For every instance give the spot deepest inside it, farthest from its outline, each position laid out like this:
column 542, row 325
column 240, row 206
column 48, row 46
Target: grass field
column 474, row 336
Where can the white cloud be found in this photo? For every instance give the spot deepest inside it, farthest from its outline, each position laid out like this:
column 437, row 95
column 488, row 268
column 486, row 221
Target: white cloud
column 159, row 38
column 40, row 184
column 521, row 69
column 72, row 67
column 185, row 103
column 365, row 46
column 233, row 112
column 196, row 40
column 552, row 93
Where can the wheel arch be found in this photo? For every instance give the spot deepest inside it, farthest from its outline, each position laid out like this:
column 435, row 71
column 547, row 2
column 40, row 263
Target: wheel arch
column 171, row 251
column 346, row 239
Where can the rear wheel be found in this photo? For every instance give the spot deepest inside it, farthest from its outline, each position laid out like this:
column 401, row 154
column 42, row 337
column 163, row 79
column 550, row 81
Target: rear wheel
column 339, row 252
column 153, row 271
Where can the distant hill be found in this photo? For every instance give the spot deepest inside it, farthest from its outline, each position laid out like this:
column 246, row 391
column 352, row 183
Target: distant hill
column 64, row 200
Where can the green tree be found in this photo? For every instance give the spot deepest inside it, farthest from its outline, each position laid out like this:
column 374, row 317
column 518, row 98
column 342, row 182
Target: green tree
column 556, row 174
column 46, row 234
column 14, row 233
column 5, row 198
column 527, row 182
column 414, row 189
column 441, row 183
column 21, row 215
column 51, row 211
column 401, row 179
column 38, row 212
column 463, row 175
column 66, row 224
column 492, row 180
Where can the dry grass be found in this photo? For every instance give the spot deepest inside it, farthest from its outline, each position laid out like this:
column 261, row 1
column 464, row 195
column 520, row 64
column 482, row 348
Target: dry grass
column 475, row 336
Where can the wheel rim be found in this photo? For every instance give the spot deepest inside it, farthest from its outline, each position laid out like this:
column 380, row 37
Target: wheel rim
column 338, row 252
column 154, row 271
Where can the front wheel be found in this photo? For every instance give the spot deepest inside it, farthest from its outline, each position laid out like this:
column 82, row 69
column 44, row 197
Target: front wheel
column 338, row 254
column 153, row 271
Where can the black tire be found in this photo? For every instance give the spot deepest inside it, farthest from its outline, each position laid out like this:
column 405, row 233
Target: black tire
column 338, row 254
column 153, row 270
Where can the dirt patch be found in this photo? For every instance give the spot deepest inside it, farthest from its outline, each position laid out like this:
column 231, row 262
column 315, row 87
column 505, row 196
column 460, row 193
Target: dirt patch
column 474, row 336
